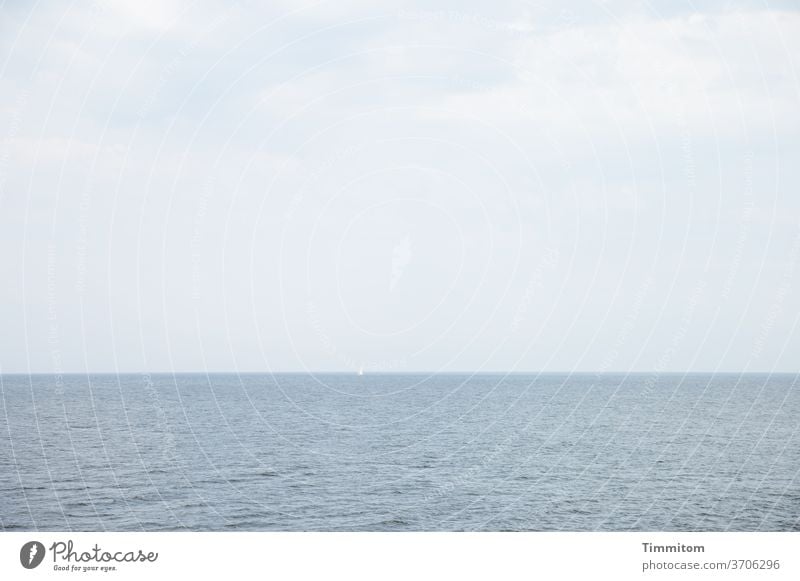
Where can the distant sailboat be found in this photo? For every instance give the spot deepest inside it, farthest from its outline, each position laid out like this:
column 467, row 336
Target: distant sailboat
column 361, row 370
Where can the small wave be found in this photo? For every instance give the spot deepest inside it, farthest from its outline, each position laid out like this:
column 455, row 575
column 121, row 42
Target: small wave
column 246, row 525
column 142, row 498
column 80, row 504
column 392, row 522
column 157, row 471
column 13, row 527
column 194, row 505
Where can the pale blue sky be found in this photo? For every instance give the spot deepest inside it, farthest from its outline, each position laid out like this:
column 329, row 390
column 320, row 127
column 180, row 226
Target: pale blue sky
column 403, row 186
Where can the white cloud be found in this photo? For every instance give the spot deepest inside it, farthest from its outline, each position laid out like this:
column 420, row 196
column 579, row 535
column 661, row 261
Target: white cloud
column 160, row 15
column 706, row 75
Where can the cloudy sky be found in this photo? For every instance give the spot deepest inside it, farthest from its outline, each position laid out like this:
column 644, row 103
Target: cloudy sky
column 401, row 186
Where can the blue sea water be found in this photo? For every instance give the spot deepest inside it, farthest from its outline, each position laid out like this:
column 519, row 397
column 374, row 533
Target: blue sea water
column 400, row 452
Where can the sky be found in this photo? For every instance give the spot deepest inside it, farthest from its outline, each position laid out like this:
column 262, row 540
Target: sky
column 399, row 186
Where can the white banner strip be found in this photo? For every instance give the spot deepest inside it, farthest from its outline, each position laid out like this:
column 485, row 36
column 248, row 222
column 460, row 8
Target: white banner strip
column 406, row 556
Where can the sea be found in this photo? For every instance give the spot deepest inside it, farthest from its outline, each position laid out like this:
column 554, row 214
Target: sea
column 400, row 452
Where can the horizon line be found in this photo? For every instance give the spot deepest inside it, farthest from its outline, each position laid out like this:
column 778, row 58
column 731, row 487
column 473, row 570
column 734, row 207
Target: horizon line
column 411, row 372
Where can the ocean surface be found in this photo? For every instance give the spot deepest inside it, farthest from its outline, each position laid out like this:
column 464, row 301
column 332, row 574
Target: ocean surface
column 400, row 452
